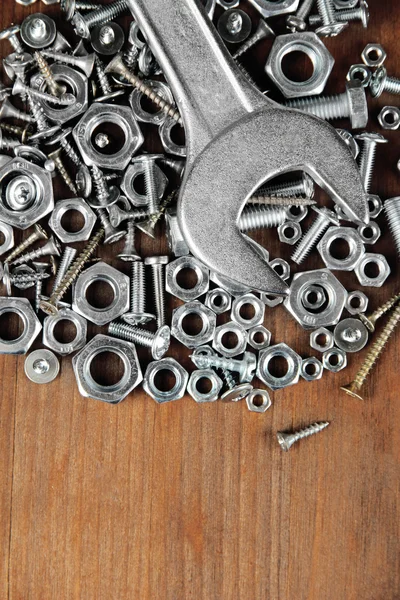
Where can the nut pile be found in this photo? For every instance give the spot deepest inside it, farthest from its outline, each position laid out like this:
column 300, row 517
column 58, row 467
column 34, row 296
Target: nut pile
column 82, row 111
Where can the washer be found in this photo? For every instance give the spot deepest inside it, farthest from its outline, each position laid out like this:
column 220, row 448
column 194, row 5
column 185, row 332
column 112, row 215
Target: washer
column 42, row 366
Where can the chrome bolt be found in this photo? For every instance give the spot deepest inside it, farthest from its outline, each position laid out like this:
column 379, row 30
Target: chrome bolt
column 367, row 156
column 102, row 14
column 302, row 187
column 157, row 264
column 324, row 219
column 158, row 342
column 346, row 16
column 261, row 216
column 137, row 314
column 297, row 22
column 129, row 252
column 381, row 82
column 330, row 26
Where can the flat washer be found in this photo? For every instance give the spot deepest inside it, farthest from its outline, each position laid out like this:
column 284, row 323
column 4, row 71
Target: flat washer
column 38, row 31
column 234, row 26
column 42, row 366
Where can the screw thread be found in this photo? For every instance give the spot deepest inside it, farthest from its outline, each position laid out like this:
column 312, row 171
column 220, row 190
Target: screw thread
column 150, row 187
column 159, row 298
column 38, row 294
column 341, row 16
column 280, row 201
column 245, row 72
column 382, row 310
column 86, row 5
column 228, row 378
column 61, row 57
column 7, row 143
column 366, row 163
column 70, row 152
column 103, row 80
column 310, row 238
column 37, row 113
column 218, row 362
column 327, row 11
column 305, row 9
column 103, row 14
column 392, row 85
column 324, row 107
column 310, row 430
column 65, row 263
column 138, row 288
column 12, row 129
column 46, row 72
column 256, row 217
column 131, row 57
column 131, row 334
column 38, row 234
column 262, row 32
column 64, row 174
column 300, row 187
column 33, row 254
column 102, row 191
column 28, row 278
column 392, row 213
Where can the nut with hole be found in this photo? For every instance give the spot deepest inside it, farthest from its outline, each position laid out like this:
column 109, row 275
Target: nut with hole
column 311, row 369
column 334, row 360
column 321, row 339
column 234, row 331
column 370, row 233
column 190, row 263
column 360, row 73
column 31, row 325
column 64, row 348
column 354, row 248
column 381, row 270
column 258, row 401
column 290, row 232
column 208, row 324
column 77, row 205
column 131, row 177
column 256, row 314
column 293, row 363
column 373, row 55
column 356, row 303
column 218, row 300
column 8, row 237
column 215, row 385
column 177, row 390
column 259, row 337
column 389, row 117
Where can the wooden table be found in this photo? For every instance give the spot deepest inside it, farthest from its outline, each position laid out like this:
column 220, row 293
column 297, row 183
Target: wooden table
column 140, row 501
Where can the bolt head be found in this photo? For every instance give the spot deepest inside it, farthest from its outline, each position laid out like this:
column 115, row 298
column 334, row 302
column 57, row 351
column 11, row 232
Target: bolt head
column 161, row 342
column 364, row 13
column 327, row 213
column 237, row 393
column 377, row 82
column 156, row 260
column 294, row 23
column 137, row 318
column 331, row 30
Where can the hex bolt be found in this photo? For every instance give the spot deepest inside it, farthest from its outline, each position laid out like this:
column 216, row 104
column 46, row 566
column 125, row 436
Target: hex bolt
column 52, row 247
column 8, row 144
column 44, row 68
column 370, row 320
column 330, row 26
column 50, row 306
column 346, row 16
column 338, row 106
column 129, row 252
column 261, row 216
column 102, row 14
column 310, row 239
column 66, row 177
column 137, row 314
column 280, row 201
column 111, row 235
column 69, row 7
column 158, row 342
column 245, row 367
column 157, row 264
column 38, row 234
column 69, row 150
column 302, row 187
column 42, row 275
column 381, row 82
column 10, row 34
column 286, row 440
column 105, row 195
column 84, row 63
column 297, row 22
column 8, row 111
column 262, row 32
column 118, row 67
column 66, row 260
column 367, row 156
column 373, row 355
column 22, row 89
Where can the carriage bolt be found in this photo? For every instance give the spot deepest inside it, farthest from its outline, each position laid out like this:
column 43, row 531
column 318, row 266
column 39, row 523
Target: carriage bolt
column 10, row 34
column 302, row 187
column 38, row 234
column 66, row 260
column 158, row 342
column 367, row 155
column 310, row 239
column 157, row 264
column 330, row 26
column 102, row 14
column 44, row 68
column 129, row 252
column 66, row 177
column 297, row 22
column 111, row 235
column 286, row 440
column 345, row 16
column 52, row 247
column 381, row 82
column 137, row 314
column 245, row 367
column 261, row 216
column 263, row 31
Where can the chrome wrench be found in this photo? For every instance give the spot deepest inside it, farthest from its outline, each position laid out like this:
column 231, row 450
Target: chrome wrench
column 236, row 140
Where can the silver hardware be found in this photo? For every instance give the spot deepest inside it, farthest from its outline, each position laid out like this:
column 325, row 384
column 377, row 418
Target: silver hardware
column 41, row 366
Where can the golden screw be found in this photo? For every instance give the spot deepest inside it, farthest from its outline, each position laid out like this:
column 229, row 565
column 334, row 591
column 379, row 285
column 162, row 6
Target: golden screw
column 38, row 234
column 56, row 157
column 46, row 72
column 372, row 357
column 370, row 320
column 50, row 306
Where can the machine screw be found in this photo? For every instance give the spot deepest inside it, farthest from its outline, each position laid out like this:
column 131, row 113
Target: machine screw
column 66, row 177
column 52, row 247
column 330, row 26
column 245, row 367
column 381, row 82
column 10, row 34
column 262, row 32
column 261, row 216
column 286, row 440
column 69, row 150
column 302, row 187
column 310, row 239
column 158, row 342
column 297, row 22
column 66, row 260
column 47, row 74
column 38, row 234
column 345, row 16
column 111, row 235
column 84, row 63
column 278, row 201
column 148, row 162
column 137, row 314
column 69, row 7
column 102, row 14
column 118, row 67
column 157, row 264
column 50, row 306
column 370, row 320
column 129, row 252
column 367, row 155
column 372, row 356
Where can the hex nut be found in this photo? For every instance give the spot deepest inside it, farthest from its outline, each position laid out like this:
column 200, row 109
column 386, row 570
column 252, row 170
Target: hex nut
column 270, row 8
column 216, row 385
column 208, row 318
column 179, row 388
column 259, row 332
column 271, row 301
column 370, row 233
column 8, row 235
column 389, row 117
column 355, row 245
column 356, row 302
column 72, row 204
column 351, row 335
column 334, row 291
column 383, row 270
column 281, row 267
column 128, row 183
column 218, row 300
column 255, row 303
column 373, row 55
column 334, row 360
column 297, row 213
column 119, row 283
column 375, row 206
column 230, row 328
column 293, row 360
column 253, row 401
column 49, row 339
column 359, row 73
column 233, row 287
column 317, row 336
column 171, row 278
column 120, row 117
column 112, row 394
column 169, row 145
column 290, row 232
column 26, row 193
column 155, row 118
column 317, row 369
column 307, row 43
column 31, row 325
column 176, row 241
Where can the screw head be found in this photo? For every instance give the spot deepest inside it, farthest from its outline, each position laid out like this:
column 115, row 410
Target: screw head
column 378, row 82
column 161, row 342
column 285, row 440
column 80, row 26
column 137, row 318
column 331, row 30
column 237, row 393
column 294, row 23
column 156, row 260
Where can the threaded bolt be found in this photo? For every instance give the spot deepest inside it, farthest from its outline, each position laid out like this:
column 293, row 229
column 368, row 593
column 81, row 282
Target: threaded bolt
column 66, row 260
column 52, row 247
column 330, row 27
column 381, row 82
column 38, row 234
column 310, row 239
column 66, row 177
column 280, row 201
column 157, row 264
column 261, row 216
column 302, row 187
column 286, row 440
column 345, row 16
column 137, row 314
column 102, row 14
column 262, row 32
column 392, row 212
column 367, row 156
column 297, row 22
column 158, row 342
column 245, row 367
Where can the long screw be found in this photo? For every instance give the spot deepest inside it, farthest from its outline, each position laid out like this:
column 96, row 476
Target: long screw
column 245, row 367
column 381, row 82
column 392, row 212
column 286, row 440
column 66, row 177
column 324, row 219
column 158, row 342
column 370, row 320
column 261, row 216
column 262, row 200
column 137, row 314
column 366, row 159
column 330, row 26
column 302, row 187
column 103, row 14
column 117, row 66
column 297, row 22
column 346, row 16
column 157, row 264
column 118, row 215
column 84, row 63
column 50, row 306
column 47, row 74
column 262, row 32
column 22, row 89
column 38, row 234
column 372, row 356
column 66, row 260
column 52, row 247
column 129, row 252
column 41, row 271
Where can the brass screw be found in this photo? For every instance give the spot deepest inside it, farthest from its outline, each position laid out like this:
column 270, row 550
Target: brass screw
column 38, row 234
column 50, row 306
column 370, row 320
column 46, row 72
column 372, row 357
column 279, row 201
column 56, row 157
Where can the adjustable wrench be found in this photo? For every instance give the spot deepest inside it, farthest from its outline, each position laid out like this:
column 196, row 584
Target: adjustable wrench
column 236, row 140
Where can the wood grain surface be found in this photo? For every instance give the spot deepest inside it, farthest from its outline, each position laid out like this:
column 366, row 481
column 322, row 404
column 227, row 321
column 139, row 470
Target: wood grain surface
column 177, row 502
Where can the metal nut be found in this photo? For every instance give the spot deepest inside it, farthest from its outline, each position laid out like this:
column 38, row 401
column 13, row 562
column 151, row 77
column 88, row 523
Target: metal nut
column 72, row 204
column 128, row 183
column 359, row 73
column 31, row 325
column 321, row 339
column 281, row 267
column 136, row 97
column 212, row 377
column 165, row 133
column 356, row 302
column 258, row 401
column 232, row 329
column 311, row 369
column 353, row 242
column 257, row 306
column 292, row 374
column 271, row 8
column 178, row 389
column 8, row 235
column 199, row 288
column 207, row 316
column 218, row 300
column 334, row 360
column 389, row 117
column 290, row 232
column 259, row 337
column 49, row 339
column 382, row 266
column 373, row 55
column 370, row 233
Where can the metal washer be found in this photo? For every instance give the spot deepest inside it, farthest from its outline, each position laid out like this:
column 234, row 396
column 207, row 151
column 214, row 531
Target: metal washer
column 42, row 366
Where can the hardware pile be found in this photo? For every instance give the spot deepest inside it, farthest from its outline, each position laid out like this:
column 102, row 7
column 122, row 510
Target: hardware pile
column 81, row 102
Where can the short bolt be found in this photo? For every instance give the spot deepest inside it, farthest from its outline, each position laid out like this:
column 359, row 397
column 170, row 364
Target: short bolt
column 297, row 22
column 52, row 247
column 324, row 219
column 157, row 264
column 261, row 216
column 330, row 26
column 245, row 367
column 302, row 187
column 367, row 156
column 38, row 234
column 262, row 32
column 391, row 209
column 346, row 16
column 381, row 82
column 286, row 440
column 158, row 342
column 137, row 314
